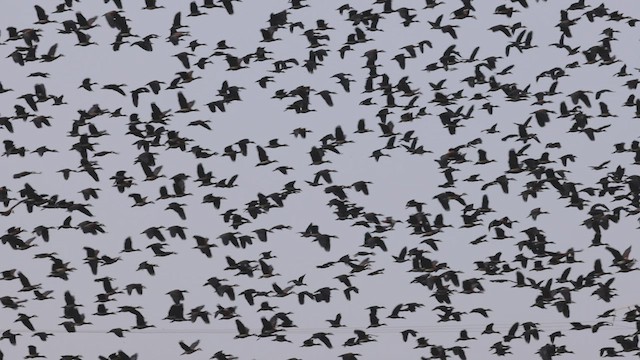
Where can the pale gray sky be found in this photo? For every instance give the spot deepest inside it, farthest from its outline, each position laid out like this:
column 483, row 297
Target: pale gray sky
column 394, row 180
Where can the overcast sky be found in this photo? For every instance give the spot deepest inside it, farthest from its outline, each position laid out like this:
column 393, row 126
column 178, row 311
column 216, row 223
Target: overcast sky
column 394, row 179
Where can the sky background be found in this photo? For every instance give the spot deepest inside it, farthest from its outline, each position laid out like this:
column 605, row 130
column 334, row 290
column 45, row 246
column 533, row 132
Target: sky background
column 260, row 118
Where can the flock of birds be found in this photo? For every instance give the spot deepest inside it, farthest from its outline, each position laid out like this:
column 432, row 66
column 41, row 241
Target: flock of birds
column 345, row 245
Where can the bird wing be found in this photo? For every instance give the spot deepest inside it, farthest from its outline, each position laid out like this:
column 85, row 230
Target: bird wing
column 262, row 154
column 325, row 340
column 616, row 254
column 182, row 101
